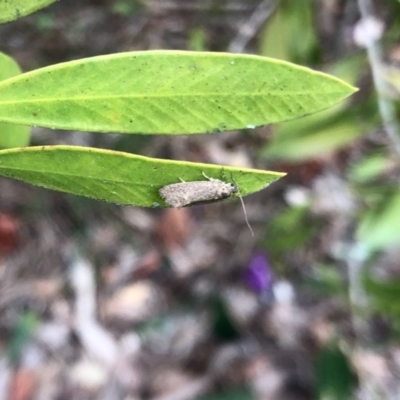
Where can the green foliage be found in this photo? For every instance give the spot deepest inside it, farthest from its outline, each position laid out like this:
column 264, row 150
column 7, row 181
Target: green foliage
column 313, row 136
column 11, row 135
column 288, row 230
column 197, row 40
column 334, row 376
column 290, row 34
column 21, row 335
column 379, row 226
column 117, row 177
column 384, row 296
column 148, row 92
column 371, row 167
column 327, row 280
column 316, row 135
column 14, row 9
column 126, row 7
column 167, row 92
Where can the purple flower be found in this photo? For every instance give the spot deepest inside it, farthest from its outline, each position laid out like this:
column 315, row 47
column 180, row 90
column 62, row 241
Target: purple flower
column 258, row 274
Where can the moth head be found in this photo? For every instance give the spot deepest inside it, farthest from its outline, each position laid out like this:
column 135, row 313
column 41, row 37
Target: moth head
column 228, row 189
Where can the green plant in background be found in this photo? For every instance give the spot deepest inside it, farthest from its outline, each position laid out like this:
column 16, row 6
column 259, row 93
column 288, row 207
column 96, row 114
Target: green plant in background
column 20, row 336
column 242, row 393
column 126, row 7
column 197, row 40
column 152, row 92
column 315, row 136
column 372, row 178
column 289, row 34
column 334, row 375
column 284, row 233
column 384, row 297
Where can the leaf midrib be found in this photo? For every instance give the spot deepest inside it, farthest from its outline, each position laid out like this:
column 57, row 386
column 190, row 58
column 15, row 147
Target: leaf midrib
column 69, row 175
column 151, row 96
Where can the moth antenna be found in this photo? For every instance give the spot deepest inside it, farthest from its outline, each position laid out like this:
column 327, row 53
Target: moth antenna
column 205, row 176
column 243, row 206
column 245, row 214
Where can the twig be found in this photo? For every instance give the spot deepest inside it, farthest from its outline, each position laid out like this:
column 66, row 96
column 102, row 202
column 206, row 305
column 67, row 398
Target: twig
column 386, row 106
column 252, row 25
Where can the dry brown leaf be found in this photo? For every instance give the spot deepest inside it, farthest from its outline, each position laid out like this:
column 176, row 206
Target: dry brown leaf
column 173, row 227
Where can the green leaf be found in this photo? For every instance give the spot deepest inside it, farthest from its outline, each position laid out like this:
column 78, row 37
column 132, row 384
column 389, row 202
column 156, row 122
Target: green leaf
column 275, row 38
column 379, row 228
column 334, row 377
column 117, row 177
column 289, row 230
column 167, row 92
column 316, row 135
column 198, row 39
column 14, row 9
column 11, row 135
column 290, row 33
column 313, row 136
column 384, row 296
column 371, row 167
column 327, row 281
column 21, row 335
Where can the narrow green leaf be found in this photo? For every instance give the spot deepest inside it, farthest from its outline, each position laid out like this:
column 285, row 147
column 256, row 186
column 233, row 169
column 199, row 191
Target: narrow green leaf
column 167, row 92
column 371, row 167
column 11, row 135
column 313, row 136
column 276, row 36
column 117, row 177
column 384, row 295
column 290, row 33
column 379, row 228
column 11, row 10
column 316, row 135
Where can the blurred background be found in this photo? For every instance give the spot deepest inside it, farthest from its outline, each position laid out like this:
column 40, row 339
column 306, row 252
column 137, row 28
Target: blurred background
column 100, row 301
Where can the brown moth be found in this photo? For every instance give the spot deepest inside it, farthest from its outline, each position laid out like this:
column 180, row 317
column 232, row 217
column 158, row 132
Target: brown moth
column 185, row 193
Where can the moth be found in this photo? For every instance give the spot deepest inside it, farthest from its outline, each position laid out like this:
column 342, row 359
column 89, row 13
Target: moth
column 185, row 193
